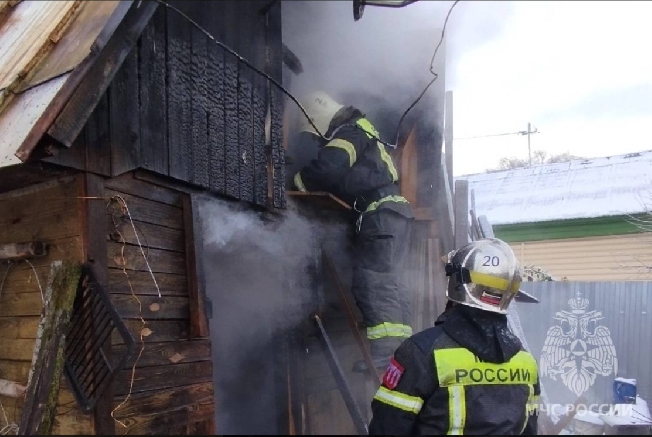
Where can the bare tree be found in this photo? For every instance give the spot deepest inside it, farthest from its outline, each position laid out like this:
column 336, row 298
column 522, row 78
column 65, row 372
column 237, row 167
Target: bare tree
column 538, row 157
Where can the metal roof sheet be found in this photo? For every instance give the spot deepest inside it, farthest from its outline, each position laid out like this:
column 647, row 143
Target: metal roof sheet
column 610, row 186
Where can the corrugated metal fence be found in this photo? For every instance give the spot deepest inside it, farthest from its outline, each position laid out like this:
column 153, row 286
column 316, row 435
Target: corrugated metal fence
column 585, row 334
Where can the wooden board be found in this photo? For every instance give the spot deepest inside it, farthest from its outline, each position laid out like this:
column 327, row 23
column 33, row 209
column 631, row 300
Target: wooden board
column 164, row 377
column 152, row 403
column 148, row 211
column 160, row 354
column 153, row 307
column 149, row 235
column 125, row 116
column 142, row 282
column 161, row 331
column 77, row 41
column 29, row 36
column 319, row 200
column 18, row 327
column 131, row 257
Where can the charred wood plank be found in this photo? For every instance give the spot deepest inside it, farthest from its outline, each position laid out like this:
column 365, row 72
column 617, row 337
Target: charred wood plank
column 179, row 73
column 247, row 14
column 125, row 116
column 215, row 100
column 153, row 95
column 97, row 138
column 164, row 377
column 98, row 72
column 259, row 103
column 156, row 331
column 169, row 284
column 199, row 92
column 232, row 159
column 275, row 68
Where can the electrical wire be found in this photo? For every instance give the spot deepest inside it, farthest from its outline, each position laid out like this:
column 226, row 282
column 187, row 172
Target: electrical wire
column 293, row 98
column 435, row 75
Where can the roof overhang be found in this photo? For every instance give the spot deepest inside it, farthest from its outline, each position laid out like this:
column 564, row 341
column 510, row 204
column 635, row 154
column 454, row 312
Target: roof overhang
column 47, row 49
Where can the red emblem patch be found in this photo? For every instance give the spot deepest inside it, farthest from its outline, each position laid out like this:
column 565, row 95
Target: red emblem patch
column 393, row 374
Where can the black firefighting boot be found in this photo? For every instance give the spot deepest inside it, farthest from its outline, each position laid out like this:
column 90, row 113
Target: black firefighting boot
column 382, row 350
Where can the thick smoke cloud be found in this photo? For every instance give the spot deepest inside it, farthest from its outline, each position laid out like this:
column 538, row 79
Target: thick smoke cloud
column 384, row 58
column 258, row 280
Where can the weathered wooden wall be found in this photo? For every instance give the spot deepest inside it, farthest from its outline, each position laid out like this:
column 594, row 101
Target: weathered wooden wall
column 52, row 213
column 172, row 389
column 183, row 107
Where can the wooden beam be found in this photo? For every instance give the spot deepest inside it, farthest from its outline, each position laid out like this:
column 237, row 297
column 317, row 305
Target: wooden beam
column 461, row 213
column 11, row 389
column 22, row 250
column 194, row 266
column 42, row 391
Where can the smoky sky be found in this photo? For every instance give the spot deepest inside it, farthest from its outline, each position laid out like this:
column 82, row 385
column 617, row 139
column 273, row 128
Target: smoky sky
column 387, row 53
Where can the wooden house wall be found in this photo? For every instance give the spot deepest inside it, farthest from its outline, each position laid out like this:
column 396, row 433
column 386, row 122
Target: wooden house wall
column 51, row 212
column 172, row 389
column 181, row 106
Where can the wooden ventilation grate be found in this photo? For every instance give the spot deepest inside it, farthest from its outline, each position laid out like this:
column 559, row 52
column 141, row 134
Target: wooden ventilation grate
column 90, row 364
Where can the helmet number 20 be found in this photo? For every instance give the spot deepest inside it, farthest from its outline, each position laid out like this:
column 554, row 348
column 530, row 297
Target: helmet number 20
column 491, row 261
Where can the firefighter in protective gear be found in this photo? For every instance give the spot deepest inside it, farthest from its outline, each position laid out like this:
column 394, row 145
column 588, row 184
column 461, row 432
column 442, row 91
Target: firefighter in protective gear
column 468, row 374
column 355, row 167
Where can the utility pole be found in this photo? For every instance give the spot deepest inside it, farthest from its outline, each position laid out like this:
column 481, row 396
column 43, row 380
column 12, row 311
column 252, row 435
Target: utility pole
column 529, row 149
column 528, row 133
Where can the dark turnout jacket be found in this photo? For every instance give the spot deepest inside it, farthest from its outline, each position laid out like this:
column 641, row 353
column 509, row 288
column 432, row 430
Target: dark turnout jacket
column 466, row 375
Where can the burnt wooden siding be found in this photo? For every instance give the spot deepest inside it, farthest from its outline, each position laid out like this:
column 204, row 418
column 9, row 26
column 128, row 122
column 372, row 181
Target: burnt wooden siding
column 50, row 212
column 172, row 389
column 181, row 106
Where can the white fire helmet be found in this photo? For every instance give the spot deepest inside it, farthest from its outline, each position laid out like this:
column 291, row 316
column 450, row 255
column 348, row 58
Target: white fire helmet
column 485, row 274
column 322, row 108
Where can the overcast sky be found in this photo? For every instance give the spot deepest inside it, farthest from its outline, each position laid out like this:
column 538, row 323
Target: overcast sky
column 581, row 72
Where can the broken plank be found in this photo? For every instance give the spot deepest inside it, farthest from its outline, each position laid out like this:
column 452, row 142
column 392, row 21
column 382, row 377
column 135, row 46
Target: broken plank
column 146, row 211
column 163, row 377
column 143, row 284
column 172, row 352
column 131, row 257
column 149, row 235
column 153, row 307
column 156, row 330
column 22, row 250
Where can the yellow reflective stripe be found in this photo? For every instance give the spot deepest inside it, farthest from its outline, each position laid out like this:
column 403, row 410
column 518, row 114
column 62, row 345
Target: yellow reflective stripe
column 298, row 182
column 371, row 132
column 456, row 410
column 411, row 404
column 458, row 366
column 407, row 331
column 528, row 408
column 388, row 330
column 492, row 281
column 373, row 206
column 348, row 147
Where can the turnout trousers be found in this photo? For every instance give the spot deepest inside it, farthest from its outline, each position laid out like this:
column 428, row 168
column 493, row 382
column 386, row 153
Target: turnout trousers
column 380, row 281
